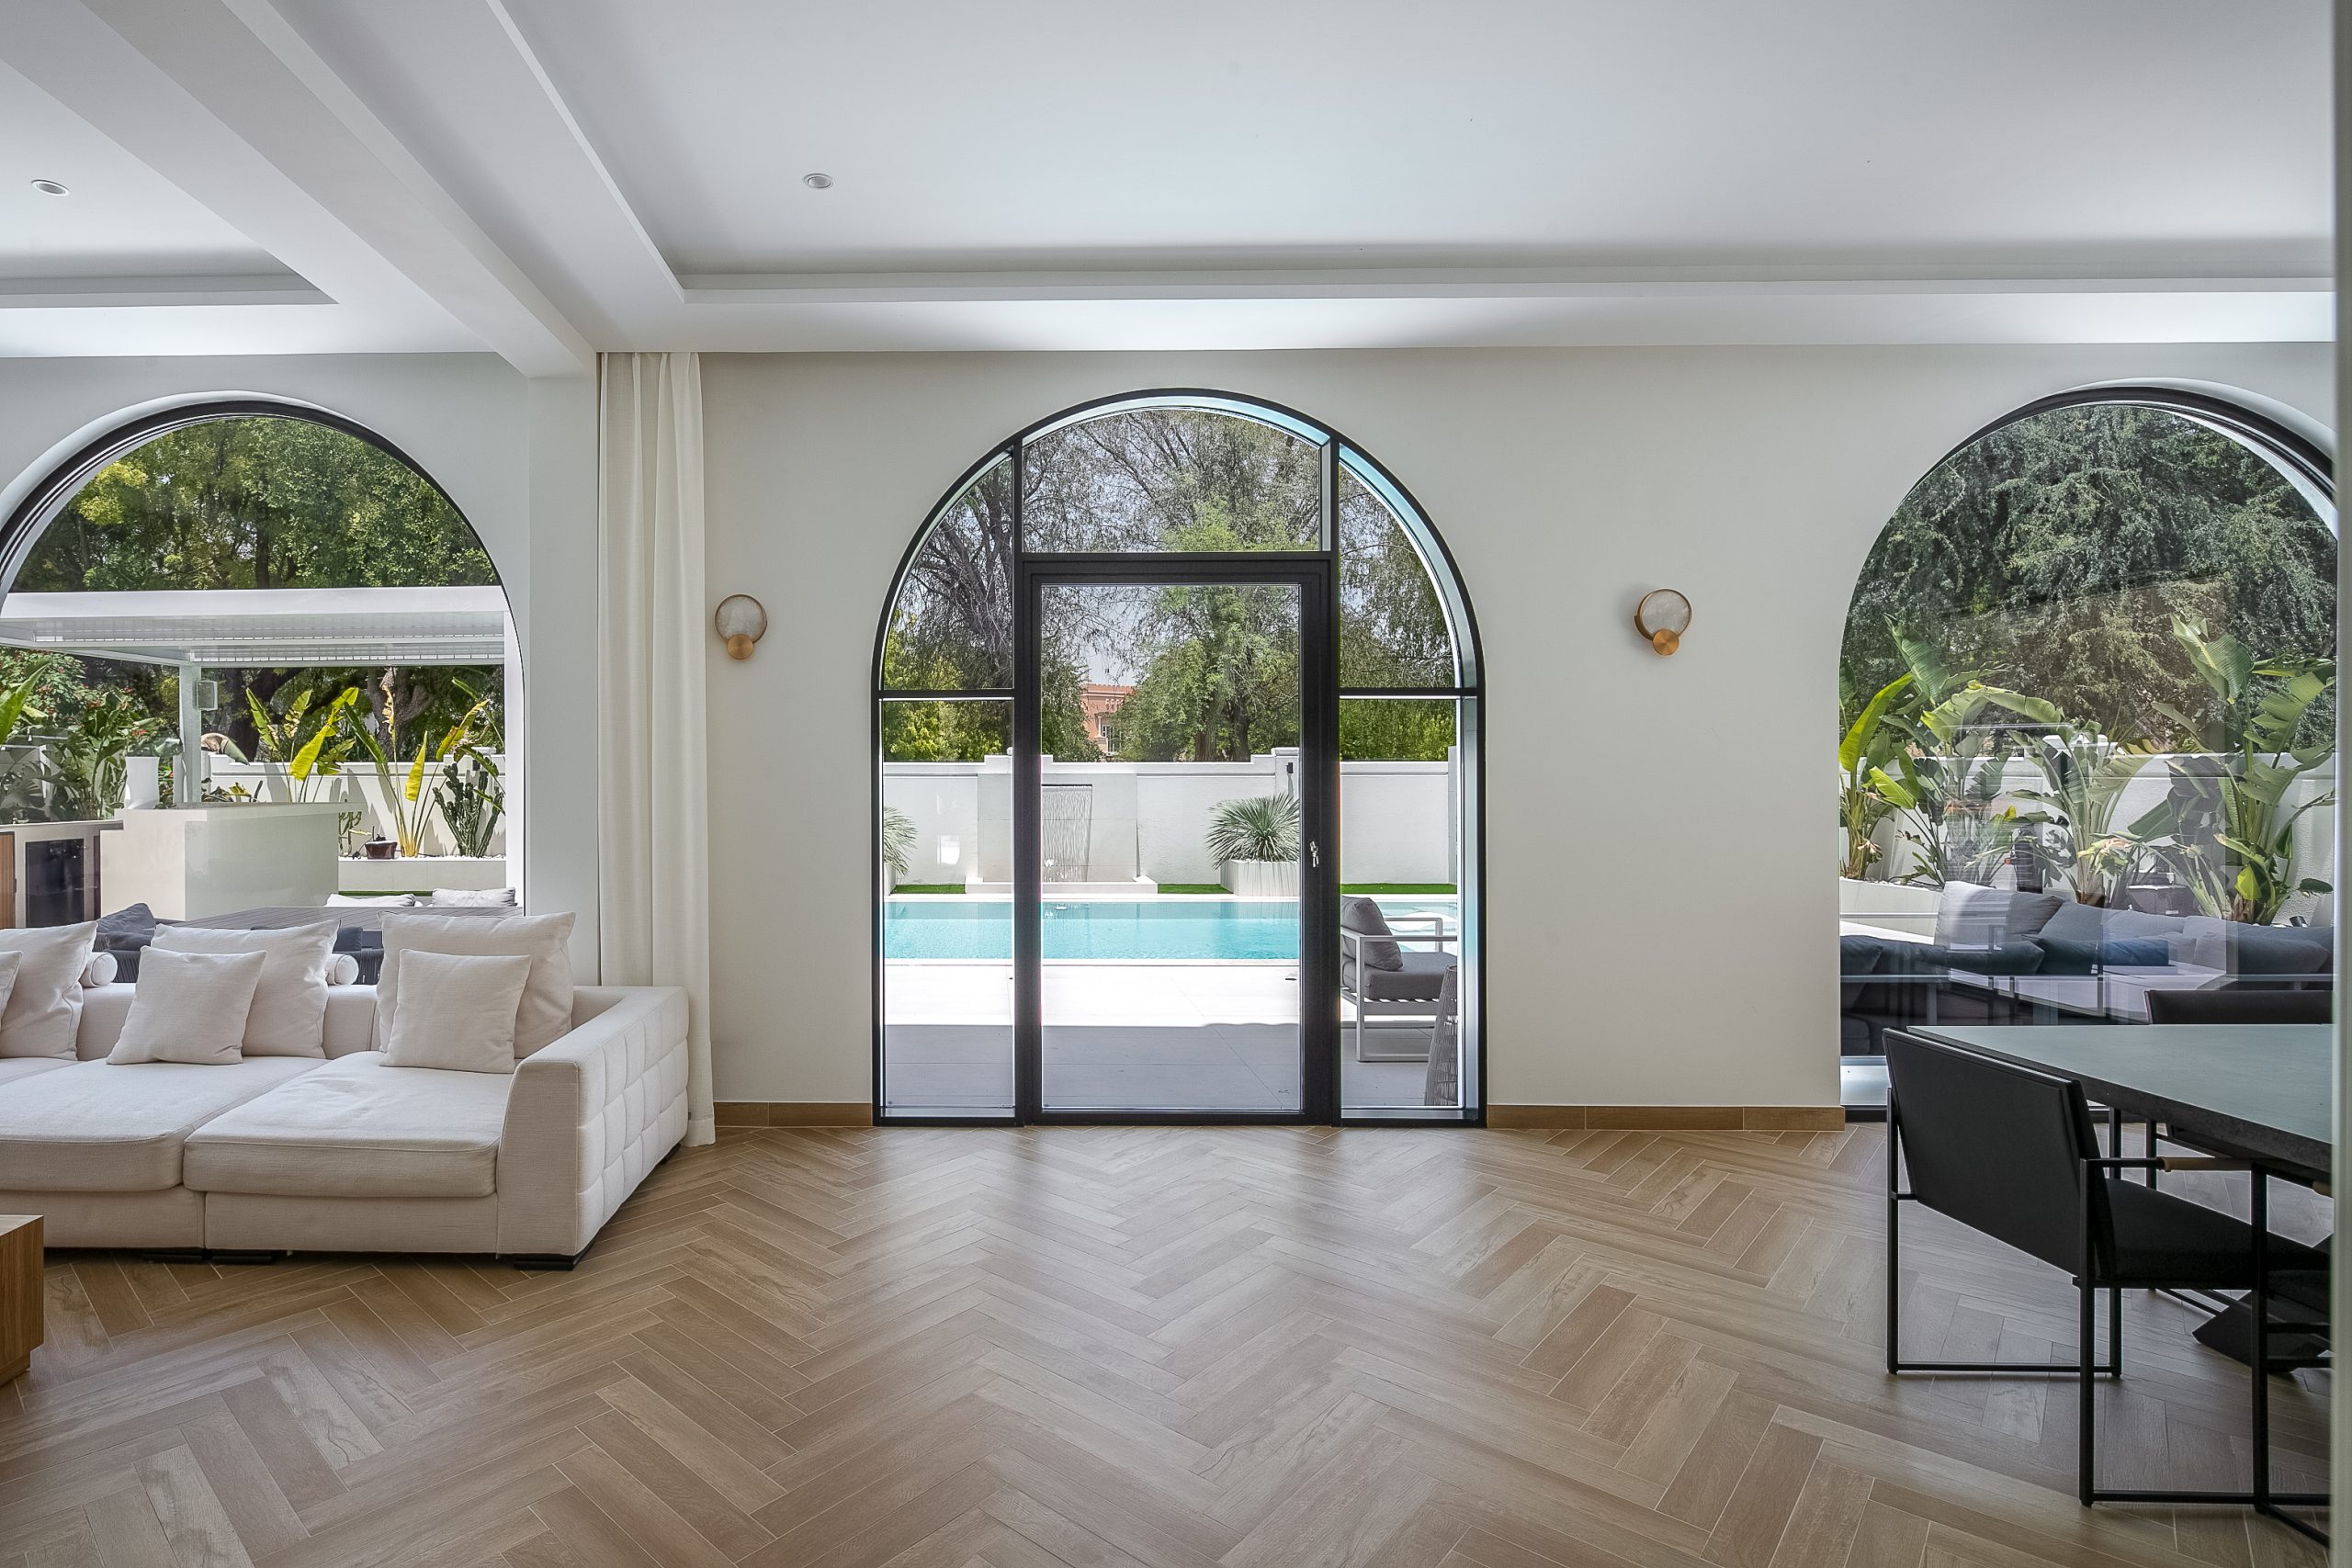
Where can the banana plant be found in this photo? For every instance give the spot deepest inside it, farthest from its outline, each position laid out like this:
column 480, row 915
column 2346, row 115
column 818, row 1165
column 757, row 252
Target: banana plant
column 2232, row 831
column 1945, row 774
column 308, row 760
column 1869, row 744
column 2084, row 776
column 404, row 798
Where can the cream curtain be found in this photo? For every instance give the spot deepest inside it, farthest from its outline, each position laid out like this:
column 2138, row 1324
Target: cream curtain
column 653, row 896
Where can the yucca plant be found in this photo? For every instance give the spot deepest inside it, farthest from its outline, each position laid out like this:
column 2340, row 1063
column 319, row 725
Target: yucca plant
column 1259, row 828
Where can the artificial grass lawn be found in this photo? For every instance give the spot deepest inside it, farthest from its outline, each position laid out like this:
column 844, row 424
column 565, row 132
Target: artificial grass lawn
column 928, row 887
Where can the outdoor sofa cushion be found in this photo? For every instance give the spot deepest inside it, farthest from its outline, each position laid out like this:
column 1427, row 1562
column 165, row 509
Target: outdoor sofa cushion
column 2242, row 949
column 1857, row 955
column 358, row 1128
column 100, row 1127
column 2090, row 923
column 2089, row 957
column 1420, row 980
column 1362, row 916
column 1971, row 915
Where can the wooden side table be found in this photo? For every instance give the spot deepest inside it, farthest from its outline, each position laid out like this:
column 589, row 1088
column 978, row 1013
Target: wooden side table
column 20, row 1309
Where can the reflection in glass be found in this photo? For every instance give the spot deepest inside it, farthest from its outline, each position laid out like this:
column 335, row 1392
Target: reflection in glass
column 1392, row 626
column 1402, row 860
column 952, row 627
column 946, row 908
column 2086, row 733
column 1170, row 479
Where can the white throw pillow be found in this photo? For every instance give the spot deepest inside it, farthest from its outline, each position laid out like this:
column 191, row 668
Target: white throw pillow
column 99, row 970
column 44, row 1008
column 475, row 897
column 460, row 1011
column 290, row 1010
column 545, row 1014
column 344, row 971
column 189, row 1007
column 9, row 962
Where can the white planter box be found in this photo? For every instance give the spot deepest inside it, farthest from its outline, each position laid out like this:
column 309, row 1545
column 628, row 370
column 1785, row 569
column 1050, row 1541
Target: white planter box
column 1261, row 878
column 421, row 873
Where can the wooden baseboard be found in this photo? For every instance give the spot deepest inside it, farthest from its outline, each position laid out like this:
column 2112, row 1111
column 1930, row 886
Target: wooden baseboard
column 1671, row 1118
column 1611, row 1118
column 794, row 1113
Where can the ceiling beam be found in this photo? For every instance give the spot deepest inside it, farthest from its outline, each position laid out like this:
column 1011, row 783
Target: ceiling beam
column 224, row 98
column 115, row 293
column 1444, row 282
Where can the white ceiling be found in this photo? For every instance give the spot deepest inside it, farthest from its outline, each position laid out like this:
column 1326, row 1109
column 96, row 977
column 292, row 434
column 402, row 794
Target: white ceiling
column 545, row 177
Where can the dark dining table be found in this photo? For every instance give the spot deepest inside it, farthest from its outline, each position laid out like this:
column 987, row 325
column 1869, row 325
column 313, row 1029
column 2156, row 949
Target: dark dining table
column 2264, row 1093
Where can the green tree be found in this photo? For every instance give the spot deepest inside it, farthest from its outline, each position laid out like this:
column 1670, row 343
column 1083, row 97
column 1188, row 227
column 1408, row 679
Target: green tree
column 2054, row 555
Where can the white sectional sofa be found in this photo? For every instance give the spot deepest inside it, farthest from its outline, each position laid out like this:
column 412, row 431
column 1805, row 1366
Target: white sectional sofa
column 342, row 1154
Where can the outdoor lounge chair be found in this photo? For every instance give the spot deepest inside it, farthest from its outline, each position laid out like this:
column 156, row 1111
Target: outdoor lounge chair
column 1383, row 981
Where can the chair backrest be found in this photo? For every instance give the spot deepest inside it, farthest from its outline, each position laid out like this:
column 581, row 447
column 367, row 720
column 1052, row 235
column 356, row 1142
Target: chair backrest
column 2231, row 1005
column 1997, row 1147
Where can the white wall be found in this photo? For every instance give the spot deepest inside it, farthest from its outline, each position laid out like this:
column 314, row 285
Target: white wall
column 1662, row 899
column 519, row 460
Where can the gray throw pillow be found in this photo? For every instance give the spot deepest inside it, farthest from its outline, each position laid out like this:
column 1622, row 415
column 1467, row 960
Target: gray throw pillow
column 1363, row 916
column 1971, row 915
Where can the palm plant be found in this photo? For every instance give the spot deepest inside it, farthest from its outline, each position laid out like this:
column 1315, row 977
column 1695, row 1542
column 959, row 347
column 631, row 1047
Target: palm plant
column 897, row 842
column 1259, row 828
column 2231, row 832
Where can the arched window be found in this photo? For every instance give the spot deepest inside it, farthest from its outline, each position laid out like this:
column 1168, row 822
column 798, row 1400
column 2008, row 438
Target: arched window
column 250, row 601
column 2088, row 696
column 1176, row 702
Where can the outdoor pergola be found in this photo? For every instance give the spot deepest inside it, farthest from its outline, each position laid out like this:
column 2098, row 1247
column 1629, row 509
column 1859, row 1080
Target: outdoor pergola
column 265, row 628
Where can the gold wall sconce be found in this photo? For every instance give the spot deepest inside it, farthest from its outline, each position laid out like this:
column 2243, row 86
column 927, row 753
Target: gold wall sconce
column 741, row 621
column 1662, row 616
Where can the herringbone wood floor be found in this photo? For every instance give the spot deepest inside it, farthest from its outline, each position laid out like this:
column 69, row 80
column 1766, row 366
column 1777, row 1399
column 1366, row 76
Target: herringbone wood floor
column 974, row 1348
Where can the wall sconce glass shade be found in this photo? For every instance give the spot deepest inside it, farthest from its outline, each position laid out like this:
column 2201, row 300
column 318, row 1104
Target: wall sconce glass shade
column 741, row 621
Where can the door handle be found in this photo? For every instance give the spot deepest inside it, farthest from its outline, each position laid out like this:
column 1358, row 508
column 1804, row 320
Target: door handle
column 1314, row 855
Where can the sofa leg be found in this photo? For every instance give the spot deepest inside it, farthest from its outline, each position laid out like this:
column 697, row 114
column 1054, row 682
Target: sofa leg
column 243, row 1257
column 170, row 1254
column 545, row 1260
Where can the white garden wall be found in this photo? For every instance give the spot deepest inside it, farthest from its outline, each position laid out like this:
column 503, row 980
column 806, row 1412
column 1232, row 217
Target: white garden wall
column 1397, row 818
column 359, row 786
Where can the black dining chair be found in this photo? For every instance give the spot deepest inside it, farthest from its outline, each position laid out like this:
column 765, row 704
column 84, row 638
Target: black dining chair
column 2010, row 1153
column 2289, row 1300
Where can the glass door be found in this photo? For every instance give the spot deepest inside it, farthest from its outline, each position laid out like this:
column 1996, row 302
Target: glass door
column 1173, row 827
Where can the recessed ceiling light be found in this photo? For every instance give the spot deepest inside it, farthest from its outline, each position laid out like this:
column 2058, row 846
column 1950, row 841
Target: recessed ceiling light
column 818, row 182
column 49, row 187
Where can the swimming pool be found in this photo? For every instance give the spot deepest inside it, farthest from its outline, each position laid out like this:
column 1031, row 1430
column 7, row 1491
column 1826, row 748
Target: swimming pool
column 1264, row 929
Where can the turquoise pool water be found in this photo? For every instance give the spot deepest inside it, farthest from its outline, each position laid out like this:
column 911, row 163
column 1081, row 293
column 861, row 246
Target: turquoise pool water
column 1163, row 929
